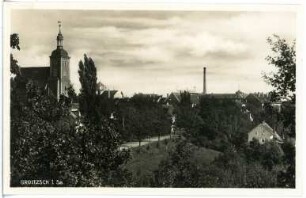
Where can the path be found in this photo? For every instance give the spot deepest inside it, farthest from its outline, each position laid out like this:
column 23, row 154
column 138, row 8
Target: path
column 144, row 142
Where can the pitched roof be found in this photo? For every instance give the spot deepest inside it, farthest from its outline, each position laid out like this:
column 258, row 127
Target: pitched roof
column 175, row 95
column 108, row 93
column 195, row 98
column 259, row 98
column 40, row 75
column 265, row 127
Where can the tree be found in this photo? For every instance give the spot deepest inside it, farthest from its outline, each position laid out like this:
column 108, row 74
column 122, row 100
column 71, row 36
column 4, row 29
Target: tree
column 283, row 82
column 286, row 178
column 40, row 132
column 231, row 169
column 99, row 139
column 72, row 94
column 268, row 155
column 88, row 100
column 178, row 170
column 14, row 63
column 284, row 60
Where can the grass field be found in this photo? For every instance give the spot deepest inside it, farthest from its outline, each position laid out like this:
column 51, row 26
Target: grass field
column 145, row 160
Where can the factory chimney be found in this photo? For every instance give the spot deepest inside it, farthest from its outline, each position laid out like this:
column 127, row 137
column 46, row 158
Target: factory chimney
column 204, row 80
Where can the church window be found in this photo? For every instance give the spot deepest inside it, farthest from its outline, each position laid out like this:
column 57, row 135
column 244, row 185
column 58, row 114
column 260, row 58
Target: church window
column 65, row 69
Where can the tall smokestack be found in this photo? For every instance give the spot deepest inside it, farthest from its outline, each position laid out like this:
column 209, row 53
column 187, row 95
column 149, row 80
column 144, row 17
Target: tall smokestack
column 204, row 80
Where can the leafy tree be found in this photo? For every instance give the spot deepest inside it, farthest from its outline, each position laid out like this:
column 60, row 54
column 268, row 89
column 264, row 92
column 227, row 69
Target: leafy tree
column 185, row 98
column 178, row 170
column 232, row 170
column 283, row 82
column 14, row 42
column 88, row 96
column 285, row 61
column 188, row 117
column 99, row 138
column 268, row 154
column 39, row 137
column 142, row 116
column 284, row 79
column 72, row 94
column 286, row 178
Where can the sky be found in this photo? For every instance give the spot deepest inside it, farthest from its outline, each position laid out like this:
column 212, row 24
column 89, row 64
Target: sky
column 158, row 51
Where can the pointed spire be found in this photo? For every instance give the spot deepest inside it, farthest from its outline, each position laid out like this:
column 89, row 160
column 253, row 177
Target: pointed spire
column 59, row 27
column 59, row 37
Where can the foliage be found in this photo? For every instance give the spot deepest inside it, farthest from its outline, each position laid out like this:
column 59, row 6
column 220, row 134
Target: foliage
column 223, row 124
column 268, row 155
column 187, row 117
column 178, row 170
column 142, row 116
column 72, row 94
column 286, row 178
column 44, row 136
column 100, row 139
column 285, row 61
column 231, row 170
column 14, row 42
column 40, row 133
column 88, row 97
column 284, row 79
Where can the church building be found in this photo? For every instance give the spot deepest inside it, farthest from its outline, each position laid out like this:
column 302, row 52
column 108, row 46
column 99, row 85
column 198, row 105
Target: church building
column 55, row 78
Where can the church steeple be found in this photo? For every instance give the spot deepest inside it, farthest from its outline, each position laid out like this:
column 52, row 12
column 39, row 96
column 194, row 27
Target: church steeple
column 59, row 37
column 59, row 80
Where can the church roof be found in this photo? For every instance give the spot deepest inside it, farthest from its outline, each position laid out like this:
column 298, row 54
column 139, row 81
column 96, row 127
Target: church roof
column 60, row 52
column 40, row 75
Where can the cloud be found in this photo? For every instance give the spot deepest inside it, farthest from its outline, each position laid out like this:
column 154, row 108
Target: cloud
column 158, row 51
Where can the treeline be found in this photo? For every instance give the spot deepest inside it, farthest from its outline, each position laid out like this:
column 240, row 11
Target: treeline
column 220, row 124
column 142, row 116
column 214, row 123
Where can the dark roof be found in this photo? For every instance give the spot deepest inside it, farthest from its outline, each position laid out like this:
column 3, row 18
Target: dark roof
column 259, row 98
column 194, row 97
column 60, row 52
column 108, row 93
column 40, row 75
column 222, row 96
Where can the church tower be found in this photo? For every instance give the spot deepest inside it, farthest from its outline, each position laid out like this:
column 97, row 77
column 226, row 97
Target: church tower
column 59, row 79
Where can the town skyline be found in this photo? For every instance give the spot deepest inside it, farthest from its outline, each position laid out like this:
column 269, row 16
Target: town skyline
column 158, row 52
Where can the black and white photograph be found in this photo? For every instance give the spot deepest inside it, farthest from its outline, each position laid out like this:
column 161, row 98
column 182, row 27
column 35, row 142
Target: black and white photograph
column 152, row 98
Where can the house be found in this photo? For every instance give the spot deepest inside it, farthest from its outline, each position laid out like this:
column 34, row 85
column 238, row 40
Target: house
column 175, row 98
column 253, row 101
column 264, row 133
column 74, row 111
column 109, row 94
